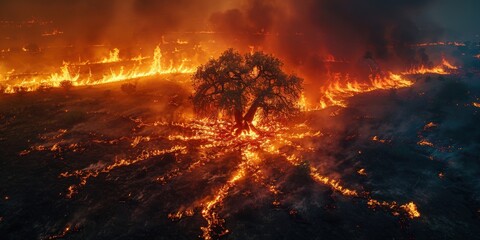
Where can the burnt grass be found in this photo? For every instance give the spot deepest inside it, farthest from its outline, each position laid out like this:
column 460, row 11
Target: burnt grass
column 130, row 203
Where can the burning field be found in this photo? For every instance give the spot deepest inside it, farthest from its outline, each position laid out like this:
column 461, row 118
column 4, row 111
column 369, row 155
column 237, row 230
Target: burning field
column 133, row 128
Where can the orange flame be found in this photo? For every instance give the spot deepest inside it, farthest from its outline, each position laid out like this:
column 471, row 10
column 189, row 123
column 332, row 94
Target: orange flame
column 340, row 89
column 444, row 68
column 156, row 68
column 113, row 57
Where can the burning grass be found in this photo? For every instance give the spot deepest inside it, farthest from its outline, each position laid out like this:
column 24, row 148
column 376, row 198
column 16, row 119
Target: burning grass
column 144, row 147
column 193, row 175
column 195, row 145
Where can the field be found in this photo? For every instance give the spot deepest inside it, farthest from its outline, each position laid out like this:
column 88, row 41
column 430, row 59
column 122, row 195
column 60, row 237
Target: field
column 95, row 162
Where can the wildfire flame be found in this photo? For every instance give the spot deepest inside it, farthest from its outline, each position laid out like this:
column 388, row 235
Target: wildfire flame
column 67, row 73
column 342, row 87
column 444, row 68
column 113, row 56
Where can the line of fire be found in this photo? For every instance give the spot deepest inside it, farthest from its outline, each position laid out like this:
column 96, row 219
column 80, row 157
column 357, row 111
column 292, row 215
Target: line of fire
column 241, row 119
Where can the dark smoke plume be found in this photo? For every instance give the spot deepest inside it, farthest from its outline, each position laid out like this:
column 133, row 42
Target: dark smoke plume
column 116, row 22
column 305, row 33
column 301, row 33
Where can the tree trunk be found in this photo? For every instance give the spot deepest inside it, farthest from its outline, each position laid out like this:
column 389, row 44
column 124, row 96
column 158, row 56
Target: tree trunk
column 238, row 117
column 238, row 127
column 244, row 123
column 250, row 115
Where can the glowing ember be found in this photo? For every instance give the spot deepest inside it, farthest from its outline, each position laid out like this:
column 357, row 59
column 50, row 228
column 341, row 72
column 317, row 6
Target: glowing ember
column 377, row 139
column 273, row 140
column 411, row 209
column 94, row 171
column 334, row 184
column 430, row 125
column 181, row 141
column 362, row 172
column 425, row 142
column 213, row 220
column 63, row 234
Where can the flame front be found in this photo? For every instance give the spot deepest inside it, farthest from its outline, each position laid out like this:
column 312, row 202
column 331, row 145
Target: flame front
column 443, row 69
column 69, row 72
column 341, row 87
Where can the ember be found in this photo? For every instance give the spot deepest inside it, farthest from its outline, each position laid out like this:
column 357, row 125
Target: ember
column 236, row 120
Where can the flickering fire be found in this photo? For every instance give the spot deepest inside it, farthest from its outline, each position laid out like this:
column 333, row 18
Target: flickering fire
column 113, row 56
column 339, row 87
column 377, row 139
column 282, row 142
column 362, row 172
column 150, row 149
column 208, row 213
column 61, row 235
column 448, row 65
column 342, row 87
column 54, row 80
column 430, row 125
column 410, row 208
column 444, row 68
column 425, row 142
column 69, row 72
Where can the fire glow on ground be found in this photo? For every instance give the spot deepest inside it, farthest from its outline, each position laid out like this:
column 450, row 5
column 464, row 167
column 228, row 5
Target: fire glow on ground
column 243, row 119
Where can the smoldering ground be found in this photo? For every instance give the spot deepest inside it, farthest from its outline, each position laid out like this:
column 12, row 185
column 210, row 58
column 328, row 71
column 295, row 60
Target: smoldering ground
column 160, row 196
column 145, row 198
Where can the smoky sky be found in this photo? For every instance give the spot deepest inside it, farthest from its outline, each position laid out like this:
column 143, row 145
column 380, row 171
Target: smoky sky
column 114, row 21
column 302, row 33
column 375, row 23
column 307, row 32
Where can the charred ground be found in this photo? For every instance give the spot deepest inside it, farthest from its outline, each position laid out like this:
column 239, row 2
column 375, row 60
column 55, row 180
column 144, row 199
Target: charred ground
column 417, row 144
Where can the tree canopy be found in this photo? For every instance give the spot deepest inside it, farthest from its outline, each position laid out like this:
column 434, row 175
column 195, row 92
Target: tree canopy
column 240, row 85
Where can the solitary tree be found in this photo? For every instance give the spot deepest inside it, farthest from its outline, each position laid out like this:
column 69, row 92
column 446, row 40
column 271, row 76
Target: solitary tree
column 239, row 86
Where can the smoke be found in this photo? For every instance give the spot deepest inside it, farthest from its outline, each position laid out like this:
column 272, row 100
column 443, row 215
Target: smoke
column 304, row 34
column 301, row 34
column 125, row 22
